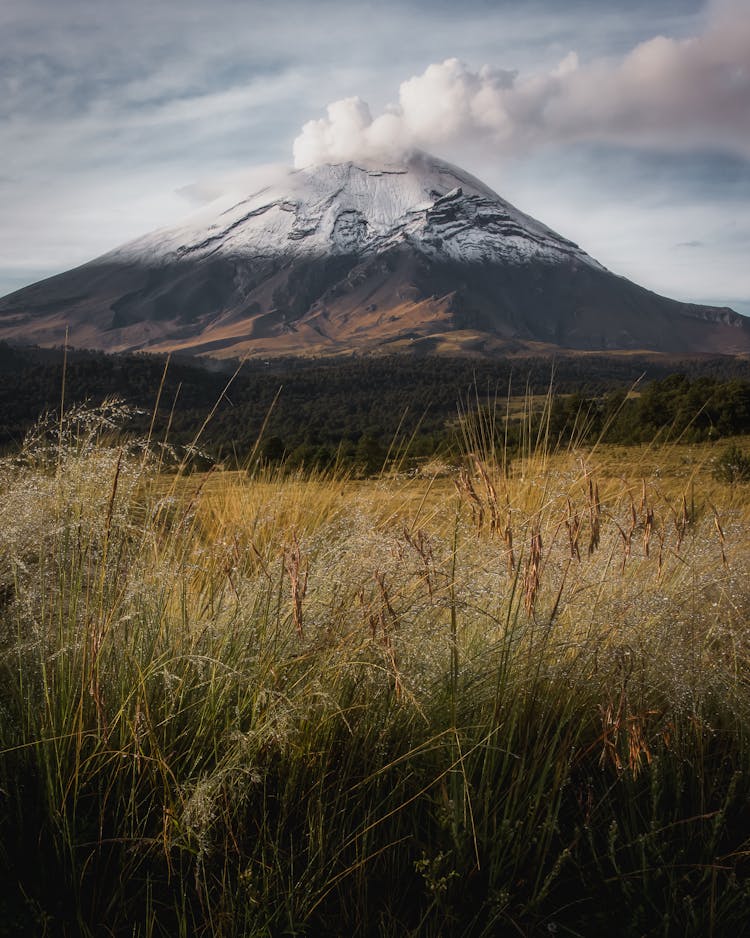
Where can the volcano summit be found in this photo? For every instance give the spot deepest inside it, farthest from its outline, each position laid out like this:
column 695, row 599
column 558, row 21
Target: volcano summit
column 341, row 258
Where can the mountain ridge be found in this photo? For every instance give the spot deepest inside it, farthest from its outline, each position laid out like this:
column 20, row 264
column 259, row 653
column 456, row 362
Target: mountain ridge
column 347, row 257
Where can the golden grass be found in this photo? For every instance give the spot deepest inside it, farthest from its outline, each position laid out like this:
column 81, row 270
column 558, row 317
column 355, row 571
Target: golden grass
column 259, row 685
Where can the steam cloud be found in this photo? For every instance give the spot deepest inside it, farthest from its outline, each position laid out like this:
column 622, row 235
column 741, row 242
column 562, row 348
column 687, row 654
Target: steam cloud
column 665, row 93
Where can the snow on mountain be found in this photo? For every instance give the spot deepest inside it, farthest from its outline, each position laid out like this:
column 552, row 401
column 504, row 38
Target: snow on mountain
column 346, row 208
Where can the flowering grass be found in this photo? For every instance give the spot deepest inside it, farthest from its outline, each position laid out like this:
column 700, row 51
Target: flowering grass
column 475, row 701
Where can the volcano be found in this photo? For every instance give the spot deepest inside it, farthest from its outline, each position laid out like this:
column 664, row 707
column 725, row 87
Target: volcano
column 346, row 258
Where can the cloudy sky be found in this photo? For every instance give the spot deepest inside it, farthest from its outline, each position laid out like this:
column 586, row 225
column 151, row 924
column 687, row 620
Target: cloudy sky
column 624, row 124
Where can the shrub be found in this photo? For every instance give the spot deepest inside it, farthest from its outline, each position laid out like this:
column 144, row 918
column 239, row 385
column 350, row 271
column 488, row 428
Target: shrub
column 733, row 466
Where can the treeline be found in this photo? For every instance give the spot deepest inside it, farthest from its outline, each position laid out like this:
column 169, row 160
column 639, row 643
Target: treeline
column 351, row 411
column 678, row 407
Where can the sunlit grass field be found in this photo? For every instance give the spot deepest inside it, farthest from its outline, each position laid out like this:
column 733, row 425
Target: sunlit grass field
column 483, row 697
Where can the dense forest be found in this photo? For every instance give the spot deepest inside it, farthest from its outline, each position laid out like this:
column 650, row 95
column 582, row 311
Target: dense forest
column 352, row 410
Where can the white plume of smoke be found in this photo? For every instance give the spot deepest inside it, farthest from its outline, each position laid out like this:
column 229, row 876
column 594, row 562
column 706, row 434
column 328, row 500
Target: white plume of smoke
column 448, row 100
column 666, row 93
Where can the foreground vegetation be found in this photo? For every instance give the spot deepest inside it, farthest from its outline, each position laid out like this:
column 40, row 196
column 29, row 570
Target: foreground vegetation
column 490, row 699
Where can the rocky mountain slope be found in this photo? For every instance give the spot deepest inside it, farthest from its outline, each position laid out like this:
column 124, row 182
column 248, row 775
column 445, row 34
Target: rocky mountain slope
column 341, row 258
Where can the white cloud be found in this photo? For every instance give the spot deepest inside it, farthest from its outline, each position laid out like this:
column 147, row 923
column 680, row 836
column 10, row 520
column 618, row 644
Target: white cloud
column 447, row 101
column 665, row 93
column 229, row 187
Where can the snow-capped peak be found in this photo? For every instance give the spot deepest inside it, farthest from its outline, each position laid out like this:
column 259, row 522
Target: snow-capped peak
column 348, row 208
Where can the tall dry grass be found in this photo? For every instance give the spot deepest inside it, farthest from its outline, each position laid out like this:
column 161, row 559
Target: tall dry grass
column 510, row 698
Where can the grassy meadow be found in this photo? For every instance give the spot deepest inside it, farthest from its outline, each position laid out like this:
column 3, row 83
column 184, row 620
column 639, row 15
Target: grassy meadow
column 499, row 697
